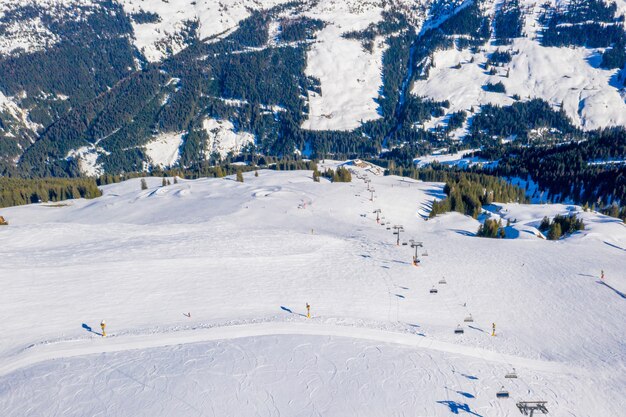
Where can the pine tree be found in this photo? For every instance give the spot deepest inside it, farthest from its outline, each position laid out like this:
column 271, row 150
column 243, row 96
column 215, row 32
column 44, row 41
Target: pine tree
column 555, row 232
column 256, row 173
column 239, row 176
column 545, row 224
column 175, row 180
column 144, row 184
column 164, row 182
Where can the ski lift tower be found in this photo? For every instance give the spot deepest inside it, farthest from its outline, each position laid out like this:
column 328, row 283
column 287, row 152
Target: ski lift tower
column 377, row 212
column 368, row 181
column 398, row 229
column 372, row 192
column 528, row 408
column 415, row 245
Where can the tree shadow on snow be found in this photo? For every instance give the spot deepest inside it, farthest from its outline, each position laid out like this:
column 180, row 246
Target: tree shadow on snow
column 90, row 330
column 456, row 407
column 463, row 232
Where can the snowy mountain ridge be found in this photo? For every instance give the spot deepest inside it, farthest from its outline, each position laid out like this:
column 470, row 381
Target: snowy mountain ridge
column 349, row 61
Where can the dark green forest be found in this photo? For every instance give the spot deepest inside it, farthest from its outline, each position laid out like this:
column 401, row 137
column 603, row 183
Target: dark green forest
column 101, row 91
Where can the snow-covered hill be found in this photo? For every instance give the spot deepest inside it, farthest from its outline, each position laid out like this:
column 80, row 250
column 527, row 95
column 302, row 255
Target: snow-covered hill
column 568, row 78
column 203, row 286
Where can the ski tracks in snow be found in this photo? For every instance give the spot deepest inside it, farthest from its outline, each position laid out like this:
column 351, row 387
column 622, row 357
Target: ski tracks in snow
column 80, row 347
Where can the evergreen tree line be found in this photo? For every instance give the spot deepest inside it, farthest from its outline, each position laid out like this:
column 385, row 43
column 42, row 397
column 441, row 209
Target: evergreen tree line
column 491, row 229
column 589, row 23
column 561, row 226
column 466, row 191
column 17, row 191
column 341, row 174
column 518, row 119
column 590, row 171
column 470, row 192
column 509, row 21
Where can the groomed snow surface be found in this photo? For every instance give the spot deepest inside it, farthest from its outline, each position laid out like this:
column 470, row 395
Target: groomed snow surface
column 203, row 286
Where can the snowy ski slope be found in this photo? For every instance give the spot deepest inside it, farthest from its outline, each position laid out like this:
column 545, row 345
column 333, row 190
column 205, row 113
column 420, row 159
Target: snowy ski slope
column 243, row 259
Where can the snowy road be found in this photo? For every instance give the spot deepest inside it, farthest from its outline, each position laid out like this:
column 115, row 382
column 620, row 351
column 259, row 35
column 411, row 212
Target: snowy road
column 86, row 346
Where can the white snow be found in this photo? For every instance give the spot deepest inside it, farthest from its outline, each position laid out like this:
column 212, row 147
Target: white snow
column 164, row 149
column 213, row 17
column 26, row 36
column 562, row 76
column 8, row 105
column 223, row 138
column 454, row 159
column 350, row 76
column 243, row 259
column 87, row 157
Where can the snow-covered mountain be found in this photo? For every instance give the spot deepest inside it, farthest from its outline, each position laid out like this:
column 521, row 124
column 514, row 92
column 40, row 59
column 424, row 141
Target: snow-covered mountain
column 203, row 286
column 89, row 86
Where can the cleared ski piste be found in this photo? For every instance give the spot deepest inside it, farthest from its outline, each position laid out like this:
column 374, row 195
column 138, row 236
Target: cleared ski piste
column 244, row 259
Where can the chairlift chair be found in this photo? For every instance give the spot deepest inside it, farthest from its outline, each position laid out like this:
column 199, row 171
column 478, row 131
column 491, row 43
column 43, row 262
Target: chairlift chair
column 512, row 374
column 433, row 290
column 443, row 281
column 425, row 253
column 404, row 243
column 459, row 330
column 503, row 393
column 469, row 319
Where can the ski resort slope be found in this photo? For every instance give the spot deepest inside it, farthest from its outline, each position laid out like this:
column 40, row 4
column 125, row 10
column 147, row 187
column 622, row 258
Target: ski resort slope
column 203, row 286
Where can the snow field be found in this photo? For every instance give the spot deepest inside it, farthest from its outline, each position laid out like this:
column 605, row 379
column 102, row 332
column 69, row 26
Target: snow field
column 244, row 259
column 350, row 76
column 571, row 77
column 164, row 150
